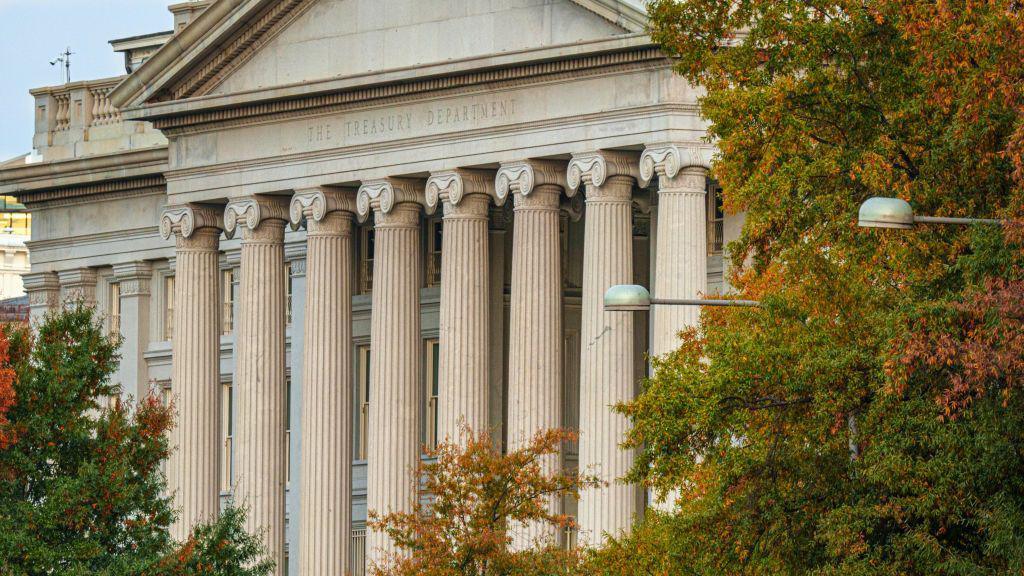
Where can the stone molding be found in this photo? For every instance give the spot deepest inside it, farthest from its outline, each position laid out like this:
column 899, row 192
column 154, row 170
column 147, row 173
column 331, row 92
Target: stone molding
column 134, row 278
column 668, row 160
column 595, row 168
column 317, row 203
column 185, row 220
column 383, row 195
column 524, row 177
column 78, row 285
column 451, row 186
column 43, row 288
column 249, row 212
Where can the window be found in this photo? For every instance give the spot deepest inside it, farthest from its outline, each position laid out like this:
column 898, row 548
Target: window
column 433, row 352
column 228, row 292
column 288, row 431
column 362, row 400
column 169, row 308
column 288, row 293
column 115, row 308
column 435, row 232
column 227, row 431
column 716, row 218
column 366, row 249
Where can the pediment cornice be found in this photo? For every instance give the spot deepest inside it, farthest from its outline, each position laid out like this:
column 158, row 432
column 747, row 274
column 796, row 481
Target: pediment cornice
column 224, row 37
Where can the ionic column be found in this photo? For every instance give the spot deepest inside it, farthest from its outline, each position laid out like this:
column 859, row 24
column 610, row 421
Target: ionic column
column 43, row 289
column 396, row 345
column 326, row 477
column 535, row 333
column 681, row 256
column 78, row 287
column 134, row 279
column 464, row 393
column 606, row 340
column 260, row 368
column 192, row 470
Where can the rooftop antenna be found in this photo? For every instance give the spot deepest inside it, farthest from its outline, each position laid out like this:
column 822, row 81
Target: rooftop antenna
column 65, row 59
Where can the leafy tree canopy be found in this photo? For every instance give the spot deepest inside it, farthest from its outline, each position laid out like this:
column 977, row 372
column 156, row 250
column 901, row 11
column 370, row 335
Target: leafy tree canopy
column 868, row 418
column 81, row 487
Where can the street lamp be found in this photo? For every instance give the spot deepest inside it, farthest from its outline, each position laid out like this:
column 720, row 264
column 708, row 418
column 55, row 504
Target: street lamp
column 630, row 297
column 879, row 212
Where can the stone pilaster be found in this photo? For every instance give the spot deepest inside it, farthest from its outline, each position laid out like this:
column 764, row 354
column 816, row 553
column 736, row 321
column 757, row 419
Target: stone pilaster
column 464, row 391
column 396, row 345
column 134, row 279
column 43, row 289
column 78, row 286
column 192, row 471
column 681, row 256
column 325, row 506
column 535, row 333
column 606, row 342
column 260, row 368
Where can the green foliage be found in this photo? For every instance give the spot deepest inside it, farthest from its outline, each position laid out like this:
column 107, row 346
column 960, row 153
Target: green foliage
column 81, row 487
column 867, row 419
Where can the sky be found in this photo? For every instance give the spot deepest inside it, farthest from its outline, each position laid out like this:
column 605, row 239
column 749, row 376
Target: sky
column 34, row 32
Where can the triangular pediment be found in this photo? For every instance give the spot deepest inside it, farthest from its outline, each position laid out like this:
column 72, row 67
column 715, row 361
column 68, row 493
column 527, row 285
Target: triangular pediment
column 247, row 45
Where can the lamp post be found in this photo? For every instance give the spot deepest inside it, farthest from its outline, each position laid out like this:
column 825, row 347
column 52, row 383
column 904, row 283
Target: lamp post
column 879, row 212
column 630, row 298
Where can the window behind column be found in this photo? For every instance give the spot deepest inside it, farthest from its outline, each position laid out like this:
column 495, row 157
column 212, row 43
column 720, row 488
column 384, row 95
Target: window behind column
column 432, row 353
column 362, row 401
column 716, row 218
column 366, row 249
column 227, row 433
column 228, row 292
column 288, row 430
column 169, row 308
column 115, row 308
column 288, row 293
column 435, row 233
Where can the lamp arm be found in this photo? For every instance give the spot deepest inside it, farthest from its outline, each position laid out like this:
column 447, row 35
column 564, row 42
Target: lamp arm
column 962, row 221
column 702, row 302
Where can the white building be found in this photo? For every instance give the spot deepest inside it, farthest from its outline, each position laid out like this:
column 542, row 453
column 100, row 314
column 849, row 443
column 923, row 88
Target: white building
column 353, row 223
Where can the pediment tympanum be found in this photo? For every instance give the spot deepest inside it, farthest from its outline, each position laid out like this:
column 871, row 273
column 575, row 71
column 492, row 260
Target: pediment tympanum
column 246, row 45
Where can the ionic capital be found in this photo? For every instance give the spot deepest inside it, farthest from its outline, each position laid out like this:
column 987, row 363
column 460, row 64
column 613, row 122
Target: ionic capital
column 595, row 168
column 185, row 219
column 667, row 160
column 524, row 177
column 452, row 186
column 383, row 195
column 316, row 203
column 250, row 212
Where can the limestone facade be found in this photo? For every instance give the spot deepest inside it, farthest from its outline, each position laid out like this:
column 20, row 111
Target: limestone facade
column 335, row 231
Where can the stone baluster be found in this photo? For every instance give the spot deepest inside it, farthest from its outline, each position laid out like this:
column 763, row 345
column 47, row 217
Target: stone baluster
column 396, row 345
column 260, row 451
column 78, row 286
column 606, row 342
column 464, row 312
column 535, row 333
column 325, row 507
column 43, row 289
column 681, row 255
column 195, row 374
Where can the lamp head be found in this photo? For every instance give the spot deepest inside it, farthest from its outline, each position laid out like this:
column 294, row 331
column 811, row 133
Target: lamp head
column 627, row 297
column 881, row 212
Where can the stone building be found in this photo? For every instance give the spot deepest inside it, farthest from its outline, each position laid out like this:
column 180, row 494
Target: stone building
column 333, row 229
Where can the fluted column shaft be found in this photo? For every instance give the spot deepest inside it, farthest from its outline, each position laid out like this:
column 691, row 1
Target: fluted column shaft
column 681, row 259
column 326, row 402
column 606, row 361
column 193, row 471
column 535, row 335
column 463, row 371
column 260, row 356
column 395, row 369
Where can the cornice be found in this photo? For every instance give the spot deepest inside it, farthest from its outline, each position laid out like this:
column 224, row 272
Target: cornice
column 99, row 192
column 82, row 172
column 574, row 58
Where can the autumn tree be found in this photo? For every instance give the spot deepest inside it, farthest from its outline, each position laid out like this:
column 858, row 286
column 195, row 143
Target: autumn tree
column 868, row 418
column 81, row 487
column 477, row 498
